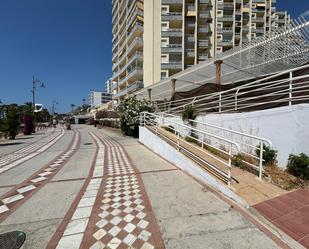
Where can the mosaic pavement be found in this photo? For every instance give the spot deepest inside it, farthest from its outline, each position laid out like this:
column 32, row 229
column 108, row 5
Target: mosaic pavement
column 11, row 160
column 113, row 210
column 23, row 191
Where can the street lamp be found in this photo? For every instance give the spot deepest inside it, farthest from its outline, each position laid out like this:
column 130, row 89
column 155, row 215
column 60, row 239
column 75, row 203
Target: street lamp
column 34, row 82
column 54, row 107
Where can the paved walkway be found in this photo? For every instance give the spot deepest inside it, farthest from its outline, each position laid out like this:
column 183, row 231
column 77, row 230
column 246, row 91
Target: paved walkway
column 290, row 213
column 112, row 192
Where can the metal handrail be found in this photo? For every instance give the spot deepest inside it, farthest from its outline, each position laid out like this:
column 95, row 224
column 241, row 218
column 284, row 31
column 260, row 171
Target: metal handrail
column 261, row 142
column 159, row 120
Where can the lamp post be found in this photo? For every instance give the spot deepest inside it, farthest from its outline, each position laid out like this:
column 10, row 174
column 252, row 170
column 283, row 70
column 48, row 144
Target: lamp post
column 34, row 82
column 54, row 107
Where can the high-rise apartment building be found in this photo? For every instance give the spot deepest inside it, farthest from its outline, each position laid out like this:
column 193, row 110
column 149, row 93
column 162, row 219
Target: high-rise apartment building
column 154, row 39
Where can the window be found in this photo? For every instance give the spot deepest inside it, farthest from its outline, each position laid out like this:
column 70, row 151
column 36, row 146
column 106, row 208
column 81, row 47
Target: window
column 164, row 26
column 164, row 74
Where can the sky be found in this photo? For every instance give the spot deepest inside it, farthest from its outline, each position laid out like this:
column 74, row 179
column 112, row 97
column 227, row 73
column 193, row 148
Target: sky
column 65, row 43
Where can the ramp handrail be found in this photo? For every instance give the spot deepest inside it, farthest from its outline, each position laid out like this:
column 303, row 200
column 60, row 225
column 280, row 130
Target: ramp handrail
column 245, row 146
column 151, row 119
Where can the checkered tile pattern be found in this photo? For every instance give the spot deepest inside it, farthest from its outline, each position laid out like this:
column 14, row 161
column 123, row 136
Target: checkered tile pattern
column 122, row 221
column 11, row 160
column 76, row 228
column 10, row 201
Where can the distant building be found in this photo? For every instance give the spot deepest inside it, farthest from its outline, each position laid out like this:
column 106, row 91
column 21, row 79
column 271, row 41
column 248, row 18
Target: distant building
column 108, row 86
column 98, row 98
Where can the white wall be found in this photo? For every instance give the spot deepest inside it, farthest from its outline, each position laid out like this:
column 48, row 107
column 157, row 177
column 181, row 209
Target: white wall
column 286, row 127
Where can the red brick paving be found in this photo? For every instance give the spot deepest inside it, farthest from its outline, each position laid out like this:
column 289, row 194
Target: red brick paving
column 290, row 213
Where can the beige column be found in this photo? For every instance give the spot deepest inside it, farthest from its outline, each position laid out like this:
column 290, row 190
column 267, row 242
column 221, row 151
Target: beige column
column 218, row 71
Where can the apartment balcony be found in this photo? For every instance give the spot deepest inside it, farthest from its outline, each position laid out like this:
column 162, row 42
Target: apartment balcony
column 258, row 30
column 171, row 33
column 114, row 86
column 135, row 72
column 203, row 29
column 245, row 29
column 190, row 24
column 225, row 18
column 258, row 1
column 205, row 2
column 137, row 12
column 258, row 19
column 225, row 30
column 172, row 48
column 202, row 57
column 190, row 53
column 226, row 5
column 137, row 30
column 190, row 7
column 138, row 56
column 171, row 16
column 203, row 43
column 282, row 21
column 255, row 10
column 190, row 38
column 225, row 43
column 172, row 65
column 136, row 44
column 131, row 88
column 171, row 1
column 204, row 14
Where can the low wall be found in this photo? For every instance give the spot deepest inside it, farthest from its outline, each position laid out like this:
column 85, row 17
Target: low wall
column 286, row 127
column 169, row 153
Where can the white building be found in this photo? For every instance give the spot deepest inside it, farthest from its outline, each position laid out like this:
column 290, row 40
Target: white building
column 97, row 98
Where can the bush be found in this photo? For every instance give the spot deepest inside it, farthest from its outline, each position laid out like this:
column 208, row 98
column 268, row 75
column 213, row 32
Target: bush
column 28, row 124
column 269, row 155
column 237, row 161
column 189, row 113
column 298, row 165
column 129, row 111
column 11, row 123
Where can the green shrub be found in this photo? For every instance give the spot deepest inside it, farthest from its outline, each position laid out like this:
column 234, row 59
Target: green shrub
column 269, row 155
column 129, row 111
column 11, row 122
column 237, row 160
column 298, row 165
column 189, row 113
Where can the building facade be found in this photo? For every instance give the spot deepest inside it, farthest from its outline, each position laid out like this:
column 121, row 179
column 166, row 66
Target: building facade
column 154, row 39
column 96, row 98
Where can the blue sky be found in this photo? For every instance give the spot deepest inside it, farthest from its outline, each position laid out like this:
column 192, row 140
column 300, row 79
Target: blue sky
column 66, row 43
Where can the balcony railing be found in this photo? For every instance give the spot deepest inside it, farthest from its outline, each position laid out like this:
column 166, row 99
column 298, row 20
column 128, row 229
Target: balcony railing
column 190, row 38
column 190, row 52
column 204, row 14
column 171, row 65
column 225, row 43
column 171, row 32
column 226, row 18
column 131, row 88
column 171, row 16
column 203, row 43
column 203, row 29
column 191, row 7
column 225, row 29
column 171, row 48
column 171, row 1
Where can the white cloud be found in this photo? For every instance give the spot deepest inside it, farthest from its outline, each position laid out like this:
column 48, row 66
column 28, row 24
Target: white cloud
column 306, row 13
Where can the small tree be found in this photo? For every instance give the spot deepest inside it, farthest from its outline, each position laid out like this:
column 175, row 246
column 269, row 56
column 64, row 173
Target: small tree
column 28, row 124
column 189, row 114
column 298, row 165
column 11, row 122
column 129, row 111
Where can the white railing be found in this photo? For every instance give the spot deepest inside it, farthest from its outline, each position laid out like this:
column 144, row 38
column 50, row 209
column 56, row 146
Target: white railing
column 182, row 131
column 249, row 144
column 261, row 94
